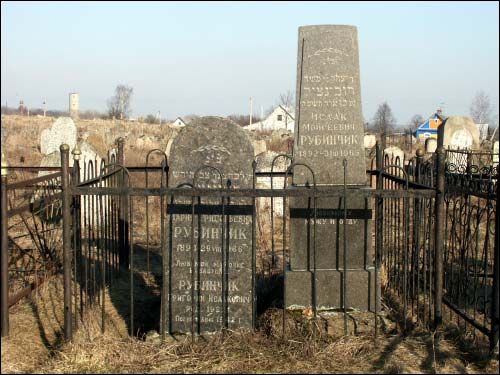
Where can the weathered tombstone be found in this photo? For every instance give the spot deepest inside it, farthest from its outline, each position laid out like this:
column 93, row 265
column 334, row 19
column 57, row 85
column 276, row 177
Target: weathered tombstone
column 430, row 145
column 170, row 142
column 458, row 133
column 259, row 146
column 394, row 155
column 89, row 154
column 264, row 164
column 46, row 141
column 62, row 131
column 369, row 141
column 112, row 156
column 329, row 129
column 222, row 144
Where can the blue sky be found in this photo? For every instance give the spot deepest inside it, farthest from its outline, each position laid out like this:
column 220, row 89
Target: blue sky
column 209, row 58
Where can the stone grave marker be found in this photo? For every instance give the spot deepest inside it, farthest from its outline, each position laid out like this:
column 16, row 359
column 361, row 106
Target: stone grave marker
column 264, row 163
column 394, row 155
column 46, row 142
column 458, row 133
column 259, row 146
column 369, row 141
column 329, row 129
column 222, row 144
column 430, row 145
column 329, row 124
column 62, row 131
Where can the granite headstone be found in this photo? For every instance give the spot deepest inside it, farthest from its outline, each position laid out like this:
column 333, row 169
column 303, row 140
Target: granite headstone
column 329, row 124
column 328, row 130
column 218, row 143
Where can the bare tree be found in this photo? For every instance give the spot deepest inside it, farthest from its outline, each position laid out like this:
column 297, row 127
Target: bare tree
column 286, row 99
column 480, row 109
column 383, row 121
column 415, row 122
column 119, row 104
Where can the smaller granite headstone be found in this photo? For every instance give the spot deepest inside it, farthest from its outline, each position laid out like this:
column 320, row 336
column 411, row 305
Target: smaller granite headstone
column 217, row 143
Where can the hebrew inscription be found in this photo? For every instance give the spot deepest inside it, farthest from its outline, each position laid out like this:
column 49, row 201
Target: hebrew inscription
column 329, row 126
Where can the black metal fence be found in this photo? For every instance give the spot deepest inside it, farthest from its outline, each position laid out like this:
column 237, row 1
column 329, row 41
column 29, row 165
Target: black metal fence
column 31, row 216
column 435, row 236
column 471, row 233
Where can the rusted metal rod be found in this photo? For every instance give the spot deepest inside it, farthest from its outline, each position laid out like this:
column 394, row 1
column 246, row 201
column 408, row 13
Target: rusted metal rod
column 15, row 298
column 67, row 256
column 33, row 181
column 4, row 258
column 439, row 236
column 249, row 193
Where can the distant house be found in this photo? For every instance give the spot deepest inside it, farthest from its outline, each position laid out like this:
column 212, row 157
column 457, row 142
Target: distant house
column 179, row 122
column 429, row 129
column 279, row 118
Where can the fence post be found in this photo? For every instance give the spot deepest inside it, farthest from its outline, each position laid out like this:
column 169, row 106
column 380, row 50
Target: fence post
column 5, row 254
column 123, row 225
column 77, row 232
column 66, row 201
column 439, row 235
column 496, row 275
column 379, row 226
column 418, row 165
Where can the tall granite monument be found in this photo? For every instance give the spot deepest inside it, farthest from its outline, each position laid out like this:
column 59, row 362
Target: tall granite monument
column 329, row 130
column 207, row 153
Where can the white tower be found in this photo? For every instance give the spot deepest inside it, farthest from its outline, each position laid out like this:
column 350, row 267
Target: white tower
column 74, row 105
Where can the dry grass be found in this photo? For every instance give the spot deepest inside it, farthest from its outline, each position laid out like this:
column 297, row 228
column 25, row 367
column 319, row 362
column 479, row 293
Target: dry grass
column 35, row 330
column 23, row 137
column 35, row 345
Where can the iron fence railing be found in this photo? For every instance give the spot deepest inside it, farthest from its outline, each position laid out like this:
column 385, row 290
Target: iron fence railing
column 426, row 253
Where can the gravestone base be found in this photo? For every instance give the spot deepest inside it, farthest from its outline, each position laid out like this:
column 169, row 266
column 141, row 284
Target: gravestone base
column 360, row 289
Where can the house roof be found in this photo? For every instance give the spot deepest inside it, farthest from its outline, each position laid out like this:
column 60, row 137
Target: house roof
column 432, row 123
column 288, row 113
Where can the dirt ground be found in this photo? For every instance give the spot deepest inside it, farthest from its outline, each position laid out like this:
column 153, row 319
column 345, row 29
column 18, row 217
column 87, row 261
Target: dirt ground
column 36, row 344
